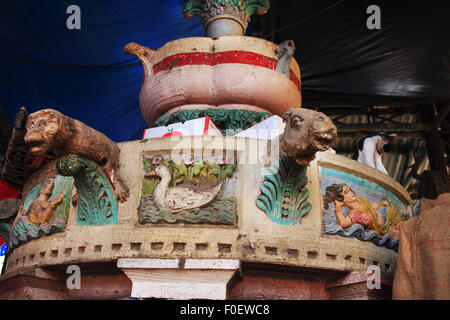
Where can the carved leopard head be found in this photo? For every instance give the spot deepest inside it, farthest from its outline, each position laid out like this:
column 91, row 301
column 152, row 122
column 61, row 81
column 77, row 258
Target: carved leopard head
column 306, row 132
column 46, row 130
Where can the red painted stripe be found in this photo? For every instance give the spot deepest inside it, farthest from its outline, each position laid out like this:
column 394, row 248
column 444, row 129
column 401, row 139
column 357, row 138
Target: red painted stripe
column 212, row 59
column 205, row 131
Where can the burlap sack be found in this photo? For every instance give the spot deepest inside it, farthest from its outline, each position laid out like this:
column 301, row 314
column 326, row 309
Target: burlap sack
column 423, row 259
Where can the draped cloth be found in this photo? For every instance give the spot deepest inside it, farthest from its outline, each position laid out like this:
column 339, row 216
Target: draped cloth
column 423, row 268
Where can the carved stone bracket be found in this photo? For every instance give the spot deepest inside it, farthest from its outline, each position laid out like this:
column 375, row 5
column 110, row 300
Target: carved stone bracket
column 283, row 192
column 96, row 202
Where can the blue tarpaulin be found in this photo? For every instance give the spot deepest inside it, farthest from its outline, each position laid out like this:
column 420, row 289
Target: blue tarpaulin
column 84, row 73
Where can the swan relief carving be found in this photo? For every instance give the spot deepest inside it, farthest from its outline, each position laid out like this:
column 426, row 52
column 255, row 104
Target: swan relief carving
column 180, row 198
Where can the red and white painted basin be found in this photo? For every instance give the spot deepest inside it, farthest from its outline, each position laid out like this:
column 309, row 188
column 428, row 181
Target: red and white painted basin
column 229, row 70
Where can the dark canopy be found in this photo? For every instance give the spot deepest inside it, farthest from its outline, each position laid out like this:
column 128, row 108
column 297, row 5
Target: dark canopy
column 85, row 74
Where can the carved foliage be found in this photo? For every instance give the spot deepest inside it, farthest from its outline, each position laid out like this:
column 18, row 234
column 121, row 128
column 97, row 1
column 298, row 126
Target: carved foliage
column 228, row 121
column 283, row 193
column 240, row 9
column 96, row 202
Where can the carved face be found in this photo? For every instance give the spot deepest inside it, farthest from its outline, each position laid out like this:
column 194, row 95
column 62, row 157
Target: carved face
column 348, row 194
column 42, row 126
column 306, row 132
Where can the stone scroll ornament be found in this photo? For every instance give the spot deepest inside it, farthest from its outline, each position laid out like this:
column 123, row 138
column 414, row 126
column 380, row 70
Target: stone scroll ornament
column 283, row 193
column 96, row 202
column 284, row 196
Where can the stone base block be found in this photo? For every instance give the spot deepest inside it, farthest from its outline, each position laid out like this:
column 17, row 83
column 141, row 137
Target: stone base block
column 31, row 284
column 355, row 287
column 209, row 279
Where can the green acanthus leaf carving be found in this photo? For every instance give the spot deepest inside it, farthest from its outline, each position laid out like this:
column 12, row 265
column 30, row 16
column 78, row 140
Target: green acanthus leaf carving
column 283, row 192
column 96, row 202
column 163, row 121
column 185, row 115
column 228, row 121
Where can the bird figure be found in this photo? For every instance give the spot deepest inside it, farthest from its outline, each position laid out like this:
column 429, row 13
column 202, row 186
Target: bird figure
column 179, row 198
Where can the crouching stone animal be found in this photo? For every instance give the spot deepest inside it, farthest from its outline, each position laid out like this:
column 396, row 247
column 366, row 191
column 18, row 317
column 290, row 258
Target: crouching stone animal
column 50, row 131
column 370, row 150
column 306, row 132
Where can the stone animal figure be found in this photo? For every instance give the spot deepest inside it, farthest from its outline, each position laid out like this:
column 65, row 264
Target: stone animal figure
column 49, row 130
column 306, row 132
column 176, row 199
column 370, row 150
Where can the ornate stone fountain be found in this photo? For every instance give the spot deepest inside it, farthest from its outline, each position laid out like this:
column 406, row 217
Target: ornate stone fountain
column 203, row 217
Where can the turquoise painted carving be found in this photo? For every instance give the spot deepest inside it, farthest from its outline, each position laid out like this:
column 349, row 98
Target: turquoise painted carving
column 283, row 193
column 229, row 122
column 219, row 211
column 177, row 190
column 44, row 211
column 357, row 208
column 96, row 202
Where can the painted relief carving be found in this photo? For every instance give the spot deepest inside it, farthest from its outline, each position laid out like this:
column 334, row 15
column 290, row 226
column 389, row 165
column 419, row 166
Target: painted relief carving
column 283, row 192
column 44, row 210
column 306, row 132
column 186, row 190
column 356, row 208
column 284, row 197
column 50, row 131
column 96, row 202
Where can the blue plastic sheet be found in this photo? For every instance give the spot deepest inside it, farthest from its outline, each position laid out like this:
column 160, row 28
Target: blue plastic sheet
column 84, row 73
